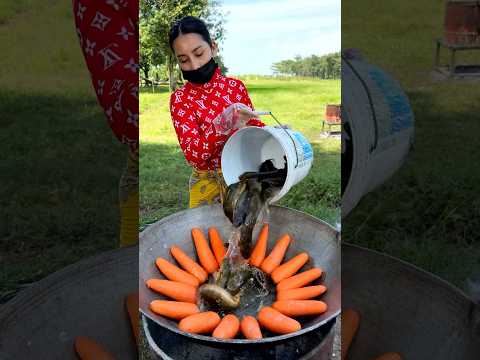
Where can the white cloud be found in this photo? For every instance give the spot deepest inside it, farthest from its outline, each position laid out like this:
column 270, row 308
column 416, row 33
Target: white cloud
column 262, row 32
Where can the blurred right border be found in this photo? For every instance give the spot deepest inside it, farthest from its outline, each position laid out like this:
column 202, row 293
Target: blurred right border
column 411, row 179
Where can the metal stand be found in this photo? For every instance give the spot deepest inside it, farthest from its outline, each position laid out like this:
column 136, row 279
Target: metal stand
column 315, row 345
column 453, row 48
column 332, row 117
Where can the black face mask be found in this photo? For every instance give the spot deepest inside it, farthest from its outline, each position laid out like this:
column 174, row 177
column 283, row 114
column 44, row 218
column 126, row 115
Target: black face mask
column 201, row 75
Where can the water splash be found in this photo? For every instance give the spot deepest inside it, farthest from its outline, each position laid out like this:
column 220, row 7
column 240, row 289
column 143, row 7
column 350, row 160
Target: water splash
column 233, row 251
column 246, row 205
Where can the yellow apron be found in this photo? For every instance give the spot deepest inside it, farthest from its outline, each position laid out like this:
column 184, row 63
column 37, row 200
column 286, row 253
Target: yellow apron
column 129, row 206
column 206, row 187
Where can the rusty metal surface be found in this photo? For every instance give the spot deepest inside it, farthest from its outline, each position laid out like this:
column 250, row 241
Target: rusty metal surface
column 167, row 345
column 309, row 234
column 86, row 298
column 406, row 310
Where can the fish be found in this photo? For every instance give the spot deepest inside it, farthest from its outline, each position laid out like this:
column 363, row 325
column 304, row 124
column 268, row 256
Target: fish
column 239, row 274
column 219, row 296
column 232, row 196
column 250, row 213
column 245, row 200
column 243, row 204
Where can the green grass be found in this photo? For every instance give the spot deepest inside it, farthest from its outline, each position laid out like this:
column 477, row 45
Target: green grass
column 60, row 162
column 429, row 212
column 300, row 103
column 41, row 52
column 10, row 8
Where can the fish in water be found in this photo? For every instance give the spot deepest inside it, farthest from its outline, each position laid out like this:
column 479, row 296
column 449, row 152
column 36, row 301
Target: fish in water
column 243, row 203
column 235, row 270
column 219, row 296
column 245, row 200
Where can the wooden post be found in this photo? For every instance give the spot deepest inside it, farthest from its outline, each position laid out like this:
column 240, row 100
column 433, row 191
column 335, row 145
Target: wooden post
column 452, row 63
column 437, row 56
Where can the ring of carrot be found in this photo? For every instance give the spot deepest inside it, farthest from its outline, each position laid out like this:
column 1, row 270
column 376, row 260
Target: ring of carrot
column 294, row 295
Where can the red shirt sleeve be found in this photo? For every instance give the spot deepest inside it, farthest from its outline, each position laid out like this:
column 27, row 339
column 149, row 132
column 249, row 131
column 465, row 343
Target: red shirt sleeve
column 198, row 143
column 255, row 122
column 248, row 102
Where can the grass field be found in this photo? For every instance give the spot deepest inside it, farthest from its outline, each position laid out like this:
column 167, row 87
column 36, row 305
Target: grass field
column 429, row 212
column 300, row 103
column 60, row 163
column 11, row 8
column 43, row 54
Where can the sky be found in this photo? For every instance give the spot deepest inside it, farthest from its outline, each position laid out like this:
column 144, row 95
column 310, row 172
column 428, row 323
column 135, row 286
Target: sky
column 261, row 32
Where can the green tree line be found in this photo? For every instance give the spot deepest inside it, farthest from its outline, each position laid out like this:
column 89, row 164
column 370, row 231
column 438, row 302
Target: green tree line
column 323, row 67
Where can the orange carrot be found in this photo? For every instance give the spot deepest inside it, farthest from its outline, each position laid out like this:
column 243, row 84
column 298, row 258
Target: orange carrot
column 303, row 293
column 205, row 254
column 131, row 302
column 300, row 307
column 260, row 249
column 175, row 290
column 174, row 273
column 389, row 356
column 217, row 245
column 87, row 349
column 228, row 327
column 299, row 280
column 276, row 322
column 201, row 323
column 276, row 255
column 350, row 322
column 289, row 268
column 250, row 328
column 188, row 264
column 173, row 309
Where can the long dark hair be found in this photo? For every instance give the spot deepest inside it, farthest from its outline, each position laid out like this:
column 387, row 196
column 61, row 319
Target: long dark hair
column 188, row 25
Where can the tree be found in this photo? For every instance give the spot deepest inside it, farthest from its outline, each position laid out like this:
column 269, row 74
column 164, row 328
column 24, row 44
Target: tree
column 145, row 53
column 156, row 18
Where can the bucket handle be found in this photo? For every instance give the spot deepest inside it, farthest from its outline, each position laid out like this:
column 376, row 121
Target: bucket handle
column 281, row 126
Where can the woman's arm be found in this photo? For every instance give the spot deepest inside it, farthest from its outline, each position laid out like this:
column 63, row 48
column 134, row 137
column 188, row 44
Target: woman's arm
column 199, row 144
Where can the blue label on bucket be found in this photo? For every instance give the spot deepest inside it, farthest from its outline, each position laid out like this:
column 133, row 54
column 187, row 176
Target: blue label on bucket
column 400, row 112
column 306, row 151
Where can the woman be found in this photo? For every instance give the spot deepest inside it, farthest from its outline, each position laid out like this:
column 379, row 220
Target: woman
column 108, row 34
column 198, row 105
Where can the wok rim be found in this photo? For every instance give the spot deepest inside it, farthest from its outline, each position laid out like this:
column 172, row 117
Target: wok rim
column 416, row 269
column 268, row 340
column 57, row 279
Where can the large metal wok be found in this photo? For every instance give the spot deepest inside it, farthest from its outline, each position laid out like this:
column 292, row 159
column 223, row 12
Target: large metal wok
column 86, row 298
column 406, row 310
column 309, row 234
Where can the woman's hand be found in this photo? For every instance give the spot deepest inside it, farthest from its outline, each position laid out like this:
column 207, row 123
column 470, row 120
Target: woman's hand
column 243, row 115
column 234, row 117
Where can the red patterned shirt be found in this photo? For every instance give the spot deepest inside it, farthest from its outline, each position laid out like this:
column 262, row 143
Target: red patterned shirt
column 193, row 109
column 108, row 34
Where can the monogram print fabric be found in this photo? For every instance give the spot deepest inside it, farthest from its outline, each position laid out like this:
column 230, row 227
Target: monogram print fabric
column 108, row 35
column 193, row 109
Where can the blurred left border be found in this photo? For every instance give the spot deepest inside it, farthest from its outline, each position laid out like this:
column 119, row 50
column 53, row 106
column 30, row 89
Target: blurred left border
column 69, row 179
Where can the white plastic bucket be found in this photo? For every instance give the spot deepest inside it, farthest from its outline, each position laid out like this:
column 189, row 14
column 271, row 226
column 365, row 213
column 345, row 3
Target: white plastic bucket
column 249, row 147
column 377, row 117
